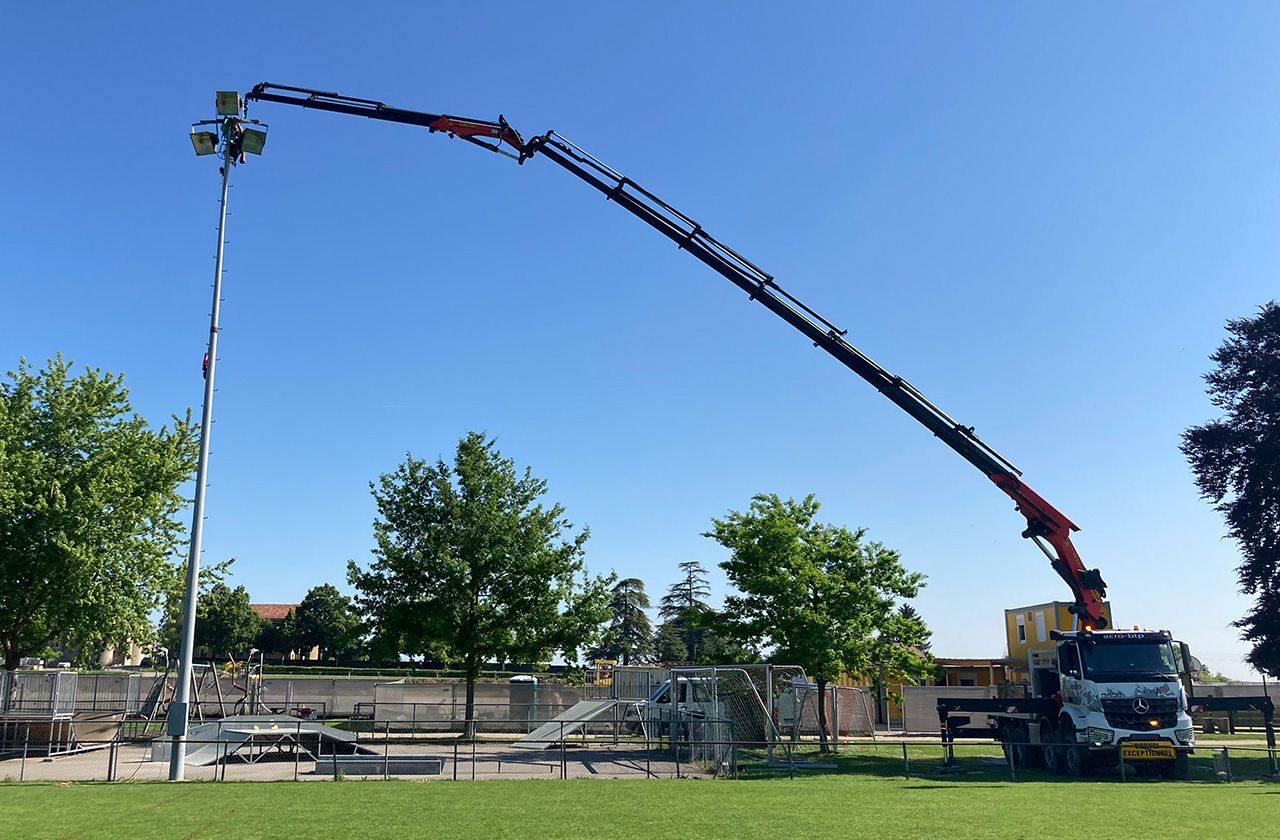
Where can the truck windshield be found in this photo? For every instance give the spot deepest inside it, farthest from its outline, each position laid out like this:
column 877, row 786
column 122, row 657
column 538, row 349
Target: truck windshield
column 1129, row 662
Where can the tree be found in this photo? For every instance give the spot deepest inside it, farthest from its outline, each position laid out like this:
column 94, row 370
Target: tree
column 88, row 496
column 819, row 595
column 668, row 644
column 279, row 636
column 629, row 635
column 913, row 629
column 469, row 565
column 225, row 622
column 170, row 631
column 1235, row 460
column 685, row 606
column 328, row 619
column 900, row 653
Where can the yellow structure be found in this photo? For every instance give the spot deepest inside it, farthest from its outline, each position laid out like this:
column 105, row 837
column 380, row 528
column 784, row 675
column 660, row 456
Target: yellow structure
column 1027, row 628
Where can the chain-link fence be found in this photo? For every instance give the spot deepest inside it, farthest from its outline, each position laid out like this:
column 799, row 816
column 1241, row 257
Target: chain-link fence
column 279, row 750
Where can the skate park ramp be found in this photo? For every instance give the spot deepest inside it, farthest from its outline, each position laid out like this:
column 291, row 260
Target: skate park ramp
column 208, row 743
column 571, row 720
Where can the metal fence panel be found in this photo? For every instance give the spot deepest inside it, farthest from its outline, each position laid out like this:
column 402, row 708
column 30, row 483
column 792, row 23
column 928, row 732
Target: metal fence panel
column 920, row 705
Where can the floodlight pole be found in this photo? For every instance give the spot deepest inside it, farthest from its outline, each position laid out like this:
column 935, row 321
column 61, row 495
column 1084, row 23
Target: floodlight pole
column 178, row 712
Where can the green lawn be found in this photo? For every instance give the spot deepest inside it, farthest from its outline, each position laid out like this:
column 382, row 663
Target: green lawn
column 842, row 806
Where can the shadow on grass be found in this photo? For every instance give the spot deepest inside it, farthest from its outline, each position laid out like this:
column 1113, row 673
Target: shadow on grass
column 976, row 765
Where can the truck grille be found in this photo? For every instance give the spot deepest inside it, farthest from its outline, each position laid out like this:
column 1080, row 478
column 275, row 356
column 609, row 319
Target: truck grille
column 1122, row 715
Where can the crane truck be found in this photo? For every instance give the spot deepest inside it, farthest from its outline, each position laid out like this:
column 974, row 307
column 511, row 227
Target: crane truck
column 1101, row 688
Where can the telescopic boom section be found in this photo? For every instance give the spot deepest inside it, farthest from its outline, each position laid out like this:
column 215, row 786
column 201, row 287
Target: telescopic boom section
column 1046, row 525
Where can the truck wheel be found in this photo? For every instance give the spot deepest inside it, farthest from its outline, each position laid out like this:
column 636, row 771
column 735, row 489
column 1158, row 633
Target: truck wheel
column 1021, row 753
column 1178, row 769
column 1076, row 759
column 1051, row 750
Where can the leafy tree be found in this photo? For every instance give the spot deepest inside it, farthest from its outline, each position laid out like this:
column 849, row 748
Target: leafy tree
column 328, row 619
column 88, row 496
column 469, row 565
column 629, row 635
column 900, row 654
column 818, row 595
column 279, row 636
column 668, row 644
column 225, row 622
column 1235, row 462
column 170, row 630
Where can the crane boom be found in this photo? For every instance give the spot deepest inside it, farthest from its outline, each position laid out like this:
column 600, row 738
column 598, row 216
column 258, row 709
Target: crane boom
column 1048, row 527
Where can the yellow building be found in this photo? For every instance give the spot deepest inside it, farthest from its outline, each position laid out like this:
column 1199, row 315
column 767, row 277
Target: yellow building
column 1027, row 628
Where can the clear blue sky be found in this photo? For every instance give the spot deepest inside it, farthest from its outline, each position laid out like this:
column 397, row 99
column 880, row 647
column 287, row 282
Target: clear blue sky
column 1040, row 215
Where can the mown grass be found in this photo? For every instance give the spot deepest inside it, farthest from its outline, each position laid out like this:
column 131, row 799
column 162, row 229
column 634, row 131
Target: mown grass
column 812, row 807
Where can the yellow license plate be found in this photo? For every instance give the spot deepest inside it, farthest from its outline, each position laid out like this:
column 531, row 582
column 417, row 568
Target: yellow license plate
column 1148, row 750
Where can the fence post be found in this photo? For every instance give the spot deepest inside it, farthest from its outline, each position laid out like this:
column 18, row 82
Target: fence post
column 471, row 727
column 455, row 759
column 335, row 760
column 733, row 749
column 906, row 762
column 297, row 749
column 564, row 769
column 675, row 739
column 1226, row 759
column 644, row 727
column 1008, row 753
column 26, row 742
column 111, row 761
column 386, row 754
column 413, row 724
column 1124, row 773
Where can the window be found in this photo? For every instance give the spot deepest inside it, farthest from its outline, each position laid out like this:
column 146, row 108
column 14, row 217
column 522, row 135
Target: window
column 1022, row 629
column 1069, row 656
column 1041, row 633
column 967, row 681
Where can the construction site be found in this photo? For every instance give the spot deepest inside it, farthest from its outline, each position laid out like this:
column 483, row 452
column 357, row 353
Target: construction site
column 921, row 361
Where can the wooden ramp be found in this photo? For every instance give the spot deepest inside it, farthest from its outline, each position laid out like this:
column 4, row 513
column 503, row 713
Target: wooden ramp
column 571, row 720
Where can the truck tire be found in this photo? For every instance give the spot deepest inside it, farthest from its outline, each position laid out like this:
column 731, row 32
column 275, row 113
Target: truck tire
column 1178, row 769
column 1076, row 759
column 1020, row 752
column 1051, row 749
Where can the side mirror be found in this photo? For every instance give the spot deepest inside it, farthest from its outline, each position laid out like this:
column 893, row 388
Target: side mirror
column 1188, row 675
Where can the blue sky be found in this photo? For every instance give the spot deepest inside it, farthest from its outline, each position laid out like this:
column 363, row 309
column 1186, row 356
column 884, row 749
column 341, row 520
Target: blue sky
column 1041, row 216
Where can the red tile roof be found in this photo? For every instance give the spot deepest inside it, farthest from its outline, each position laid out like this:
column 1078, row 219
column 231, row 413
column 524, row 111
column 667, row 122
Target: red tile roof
column 273, row 612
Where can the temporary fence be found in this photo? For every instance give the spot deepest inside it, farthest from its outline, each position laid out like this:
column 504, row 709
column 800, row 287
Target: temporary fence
column 687, row 748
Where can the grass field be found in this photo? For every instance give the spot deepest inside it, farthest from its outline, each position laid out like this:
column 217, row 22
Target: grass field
column 821, row 806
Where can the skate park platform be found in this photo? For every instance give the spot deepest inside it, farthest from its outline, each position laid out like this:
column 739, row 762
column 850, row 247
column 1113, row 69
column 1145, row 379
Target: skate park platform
column 249, row 737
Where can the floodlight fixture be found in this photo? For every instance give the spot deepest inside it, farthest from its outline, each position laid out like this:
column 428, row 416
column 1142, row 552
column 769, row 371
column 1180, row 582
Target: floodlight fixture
column 205, row 142
column 228, row 103
column 252, row 140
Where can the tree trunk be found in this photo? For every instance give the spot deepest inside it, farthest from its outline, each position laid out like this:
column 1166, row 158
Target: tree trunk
column 822, row 716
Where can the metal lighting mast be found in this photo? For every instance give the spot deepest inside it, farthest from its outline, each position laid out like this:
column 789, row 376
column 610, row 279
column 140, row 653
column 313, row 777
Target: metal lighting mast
column 230, row 136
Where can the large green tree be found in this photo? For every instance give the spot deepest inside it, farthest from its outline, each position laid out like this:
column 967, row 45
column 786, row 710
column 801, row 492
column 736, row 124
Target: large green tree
column 1236, row 461
column 329, row 620
column 470, row 565
column 685, row 610
column 817, row 595
column 89, row 492
column 629, row 636
column 225, row 622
